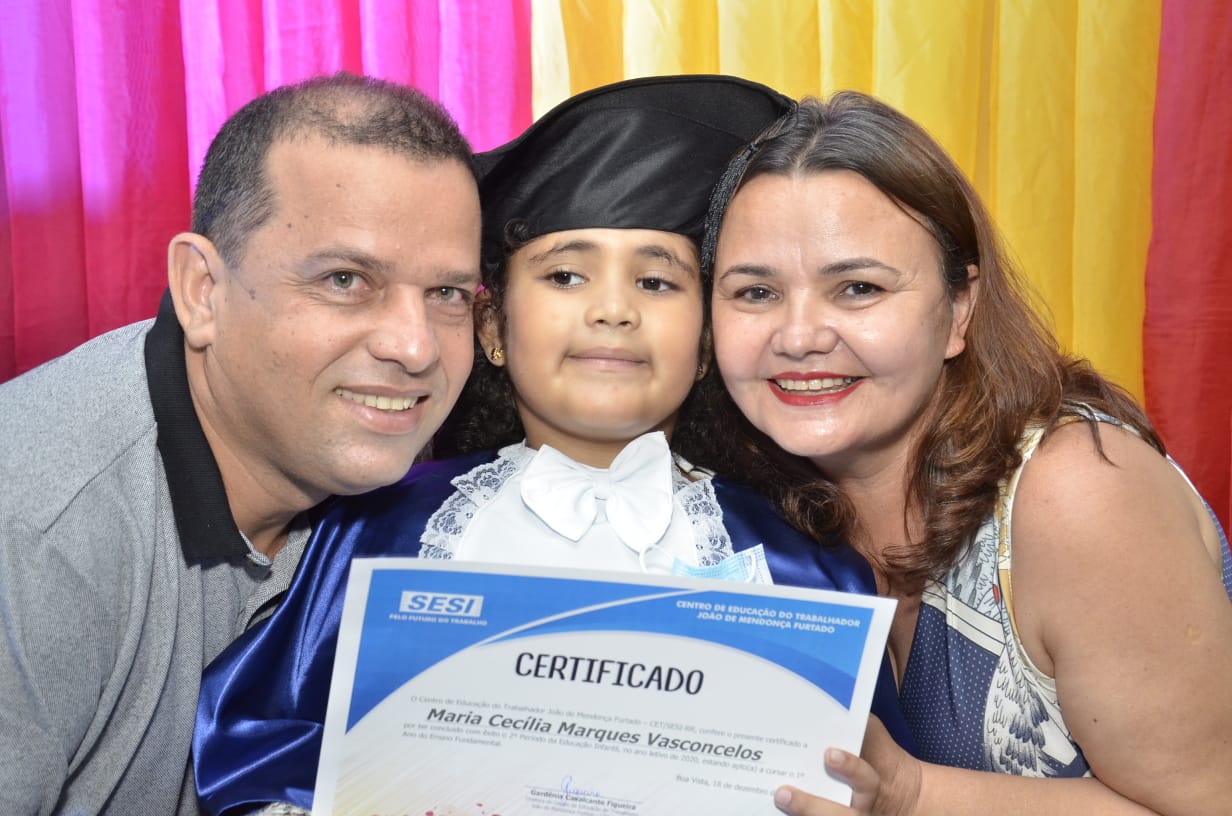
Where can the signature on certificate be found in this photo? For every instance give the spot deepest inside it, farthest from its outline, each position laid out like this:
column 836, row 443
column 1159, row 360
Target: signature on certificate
column 569, row 788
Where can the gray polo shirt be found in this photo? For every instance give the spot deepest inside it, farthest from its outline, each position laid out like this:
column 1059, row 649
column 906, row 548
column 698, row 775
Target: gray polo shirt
column 122, row 573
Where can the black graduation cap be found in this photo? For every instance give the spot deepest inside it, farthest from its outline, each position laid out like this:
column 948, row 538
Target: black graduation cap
column 639, row 154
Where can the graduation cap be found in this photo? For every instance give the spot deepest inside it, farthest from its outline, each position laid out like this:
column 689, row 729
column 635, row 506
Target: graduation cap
column 639, row 154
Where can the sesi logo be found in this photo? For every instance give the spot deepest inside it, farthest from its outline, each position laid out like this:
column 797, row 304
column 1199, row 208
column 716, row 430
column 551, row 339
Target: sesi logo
column 440, row 603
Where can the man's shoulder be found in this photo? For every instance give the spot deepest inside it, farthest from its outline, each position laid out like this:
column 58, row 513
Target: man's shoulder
column 93, row 365
column 72, row 418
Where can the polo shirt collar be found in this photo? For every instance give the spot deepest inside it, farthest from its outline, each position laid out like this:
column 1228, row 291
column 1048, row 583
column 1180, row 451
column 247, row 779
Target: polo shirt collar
column 198, row 499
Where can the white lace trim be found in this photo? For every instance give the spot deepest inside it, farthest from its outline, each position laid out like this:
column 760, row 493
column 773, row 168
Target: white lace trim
column 282, row 809
column 474, row 489
column 702, row 508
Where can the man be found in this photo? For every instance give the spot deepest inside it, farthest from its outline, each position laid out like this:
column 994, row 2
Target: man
column 316, row 332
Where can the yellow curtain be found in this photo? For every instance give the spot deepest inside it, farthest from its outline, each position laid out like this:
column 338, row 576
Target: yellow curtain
column 1046, row 104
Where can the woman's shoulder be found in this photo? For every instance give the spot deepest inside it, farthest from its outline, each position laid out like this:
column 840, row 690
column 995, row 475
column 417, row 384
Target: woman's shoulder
column 1116, row 598
column 1096, row 516
column 1095, row 487
column 1099, row 474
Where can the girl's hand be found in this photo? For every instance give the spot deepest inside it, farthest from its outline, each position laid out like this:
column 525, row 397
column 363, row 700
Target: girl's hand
column 885, row 782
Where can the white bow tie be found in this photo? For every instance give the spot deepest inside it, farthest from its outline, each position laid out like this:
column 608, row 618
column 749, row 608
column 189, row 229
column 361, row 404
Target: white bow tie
column 636, row 489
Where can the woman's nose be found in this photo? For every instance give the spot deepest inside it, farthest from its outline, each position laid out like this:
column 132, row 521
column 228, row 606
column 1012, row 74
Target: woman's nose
column 806, row 329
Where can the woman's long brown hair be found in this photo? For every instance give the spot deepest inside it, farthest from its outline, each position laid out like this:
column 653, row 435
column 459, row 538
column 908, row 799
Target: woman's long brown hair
column 1012, row 374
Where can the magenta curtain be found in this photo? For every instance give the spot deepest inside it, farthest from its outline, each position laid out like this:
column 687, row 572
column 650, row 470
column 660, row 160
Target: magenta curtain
column 106, row 110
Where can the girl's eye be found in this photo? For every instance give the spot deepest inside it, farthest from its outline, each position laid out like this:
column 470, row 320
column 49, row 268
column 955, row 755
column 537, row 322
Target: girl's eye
column 562, row 278
column 654, row 285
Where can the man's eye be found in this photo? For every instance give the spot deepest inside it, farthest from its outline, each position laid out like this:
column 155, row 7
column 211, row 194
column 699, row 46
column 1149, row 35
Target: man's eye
column 449, row 294
column 343, row 280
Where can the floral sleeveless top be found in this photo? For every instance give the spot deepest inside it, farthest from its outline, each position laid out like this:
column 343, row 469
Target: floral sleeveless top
column 971, row 695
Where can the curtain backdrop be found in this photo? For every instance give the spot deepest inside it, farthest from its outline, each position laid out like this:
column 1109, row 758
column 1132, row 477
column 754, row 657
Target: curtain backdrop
column 1187, row 335
column 1066, row 114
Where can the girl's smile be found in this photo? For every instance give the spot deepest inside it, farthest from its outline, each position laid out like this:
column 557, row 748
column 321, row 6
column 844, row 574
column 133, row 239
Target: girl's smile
column 609, row 359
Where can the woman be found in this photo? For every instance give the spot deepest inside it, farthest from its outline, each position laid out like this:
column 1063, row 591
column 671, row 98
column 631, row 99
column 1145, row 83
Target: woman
column 869, row 325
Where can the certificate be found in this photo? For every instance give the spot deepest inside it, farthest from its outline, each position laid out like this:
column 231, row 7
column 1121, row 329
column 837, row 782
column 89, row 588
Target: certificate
column 467, row 688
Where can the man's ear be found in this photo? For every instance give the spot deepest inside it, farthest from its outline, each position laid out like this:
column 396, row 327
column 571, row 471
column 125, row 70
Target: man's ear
column 963, row 306
column 194, row 269
column 488, row 329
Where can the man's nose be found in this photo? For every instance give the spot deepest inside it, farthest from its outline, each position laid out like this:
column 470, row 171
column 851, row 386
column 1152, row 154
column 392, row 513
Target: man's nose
column 404, row 333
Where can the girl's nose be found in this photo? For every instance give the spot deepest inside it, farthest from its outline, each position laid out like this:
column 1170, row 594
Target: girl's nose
column 613, row 305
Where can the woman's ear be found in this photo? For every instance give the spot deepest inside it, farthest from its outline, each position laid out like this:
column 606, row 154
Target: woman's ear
column 962, row 305
column 488, row 329
column 194, row 269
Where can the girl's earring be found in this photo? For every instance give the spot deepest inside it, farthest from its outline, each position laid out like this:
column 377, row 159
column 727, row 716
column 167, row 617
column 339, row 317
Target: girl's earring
column 497, row 354
column 701, row 370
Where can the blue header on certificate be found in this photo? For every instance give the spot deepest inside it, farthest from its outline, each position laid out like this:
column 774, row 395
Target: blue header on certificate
column 418, row 617
column 466, row 688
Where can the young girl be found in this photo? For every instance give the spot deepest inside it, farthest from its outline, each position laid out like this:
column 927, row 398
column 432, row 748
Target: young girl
column 592, row 334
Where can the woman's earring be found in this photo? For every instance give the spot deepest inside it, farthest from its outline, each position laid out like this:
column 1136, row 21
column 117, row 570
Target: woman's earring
column 701, row 370
column 497, row 354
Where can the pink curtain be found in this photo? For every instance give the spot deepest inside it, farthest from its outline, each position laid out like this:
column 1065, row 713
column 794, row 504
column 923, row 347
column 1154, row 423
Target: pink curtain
column 1187, row 330
column 106, row 110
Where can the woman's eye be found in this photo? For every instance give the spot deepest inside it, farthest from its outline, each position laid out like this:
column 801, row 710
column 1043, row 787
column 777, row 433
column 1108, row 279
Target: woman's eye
column 756, row 294
column 861, row 289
